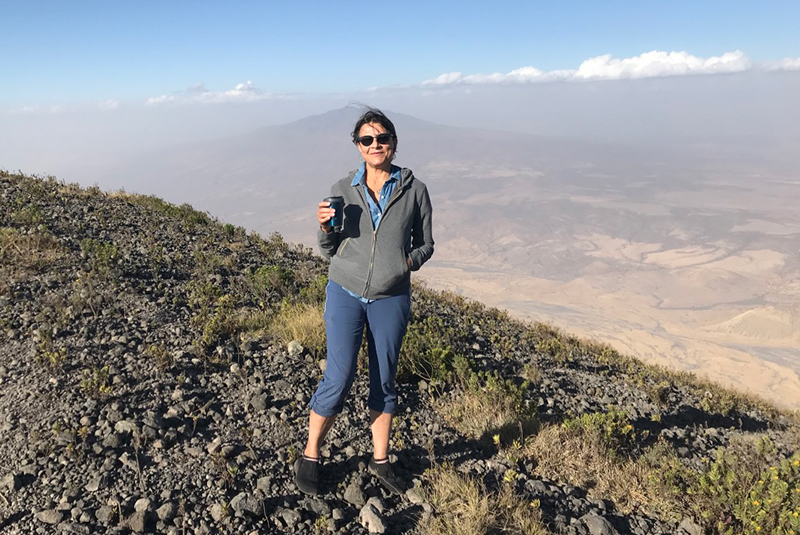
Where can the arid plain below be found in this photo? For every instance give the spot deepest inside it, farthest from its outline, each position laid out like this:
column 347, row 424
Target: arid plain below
column 683, row 292
column 683, row 257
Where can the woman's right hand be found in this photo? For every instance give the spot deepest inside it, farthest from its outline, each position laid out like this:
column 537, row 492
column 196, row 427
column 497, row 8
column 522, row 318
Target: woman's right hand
column 324, row 215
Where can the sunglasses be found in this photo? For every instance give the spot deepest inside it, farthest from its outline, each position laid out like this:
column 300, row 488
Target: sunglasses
column 383, row 139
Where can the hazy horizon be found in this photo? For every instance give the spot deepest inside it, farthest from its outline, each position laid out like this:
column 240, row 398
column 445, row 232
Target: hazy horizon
column 658, row 215
column 746, row 116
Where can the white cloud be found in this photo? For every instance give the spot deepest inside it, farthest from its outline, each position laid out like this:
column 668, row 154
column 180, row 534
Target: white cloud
column 605, row 67
column 445, row 79
column 657, row 63
column 197, row 93
column 786, row 64
column 521, row 75
column 108, row 105
column 159, row 100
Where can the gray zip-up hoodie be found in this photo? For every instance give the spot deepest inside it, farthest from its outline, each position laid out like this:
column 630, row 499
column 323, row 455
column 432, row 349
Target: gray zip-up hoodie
column 373, row 263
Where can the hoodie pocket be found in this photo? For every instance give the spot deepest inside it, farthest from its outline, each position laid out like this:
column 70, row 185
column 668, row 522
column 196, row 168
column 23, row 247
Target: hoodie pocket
column 391, row 271
column 342, row 247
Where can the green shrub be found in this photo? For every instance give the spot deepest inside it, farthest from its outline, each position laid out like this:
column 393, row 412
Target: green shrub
column 188, row 216
column 163, row 357
column 773, row 505
column 95, row 383
column 556, row 348
column 314, row 292
column 218, row 325
column 155, row 254
column 720, row 400
column 658, row 392
column 743, row 492
column 425, row 353
column 613, row 427
column 274, row 245
column 206, row 263
column 531, row 373
column 212, row 313
column 202, row 295
column 28, row 215
column 485, row 403
column 53, row 358
column 269, row 284
column 102, row 256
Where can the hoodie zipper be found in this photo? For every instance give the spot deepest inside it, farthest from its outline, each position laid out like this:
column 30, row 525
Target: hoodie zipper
column 392, row 199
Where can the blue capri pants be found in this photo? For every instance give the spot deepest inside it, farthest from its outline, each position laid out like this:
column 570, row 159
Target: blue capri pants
column 345, row 317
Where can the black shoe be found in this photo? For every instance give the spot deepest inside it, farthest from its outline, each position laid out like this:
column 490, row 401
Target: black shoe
column 306, row 475
column 385, row 474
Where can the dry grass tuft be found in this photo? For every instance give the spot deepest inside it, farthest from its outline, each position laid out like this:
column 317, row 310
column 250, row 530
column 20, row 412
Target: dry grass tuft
column 461, row 503
column 475, row 416
column 532, row 373
column 580, row 456
column 484, row 404
column 463, row 506
column 253, row 323
column 301, row 322
column 33, row 251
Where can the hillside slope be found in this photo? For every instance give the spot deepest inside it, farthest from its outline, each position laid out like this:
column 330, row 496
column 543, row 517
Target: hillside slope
column 155, row 367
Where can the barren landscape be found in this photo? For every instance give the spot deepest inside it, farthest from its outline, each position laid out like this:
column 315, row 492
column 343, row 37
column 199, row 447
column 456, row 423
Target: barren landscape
column 704, row 280
column 684, row 257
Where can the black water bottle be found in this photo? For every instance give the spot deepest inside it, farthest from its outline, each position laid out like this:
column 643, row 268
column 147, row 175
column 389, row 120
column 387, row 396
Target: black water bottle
column 337, row 203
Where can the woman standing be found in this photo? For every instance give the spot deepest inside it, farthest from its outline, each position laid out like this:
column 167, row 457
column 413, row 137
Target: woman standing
column 386, row 234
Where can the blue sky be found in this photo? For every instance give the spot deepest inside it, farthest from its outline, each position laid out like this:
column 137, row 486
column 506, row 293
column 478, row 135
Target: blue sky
column 55, row 52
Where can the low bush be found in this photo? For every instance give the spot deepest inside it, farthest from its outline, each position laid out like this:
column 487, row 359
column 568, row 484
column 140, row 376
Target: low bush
column 270, row 284
column 274, row 245
column 485, row 404
column 557, row 348
column 102, row 256
column 747, row 489
column 49, row 356
column 95, row 383
column 213, row 315
column 532, row 374
column 314, row 292
column 773, row 505
column 218, row 325
column 613, row 428
column 206, row 262
column 28, row 215
column 162, row 356
column 425, row 353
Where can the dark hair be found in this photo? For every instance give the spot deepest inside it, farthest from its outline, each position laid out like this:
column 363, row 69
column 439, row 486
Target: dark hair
column 373, row 115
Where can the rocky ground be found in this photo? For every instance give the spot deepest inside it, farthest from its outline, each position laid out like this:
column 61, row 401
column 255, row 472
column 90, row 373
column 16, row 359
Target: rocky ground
column 121, row 411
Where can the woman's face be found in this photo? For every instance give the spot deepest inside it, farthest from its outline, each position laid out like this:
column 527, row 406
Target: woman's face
column 375, row 155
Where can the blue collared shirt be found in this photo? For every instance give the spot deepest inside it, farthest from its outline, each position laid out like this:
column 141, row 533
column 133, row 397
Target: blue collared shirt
column 375, row 210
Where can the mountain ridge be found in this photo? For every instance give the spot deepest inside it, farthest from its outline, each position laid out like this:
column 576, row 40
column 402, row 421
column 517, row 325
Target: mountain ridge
column 155, row 365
